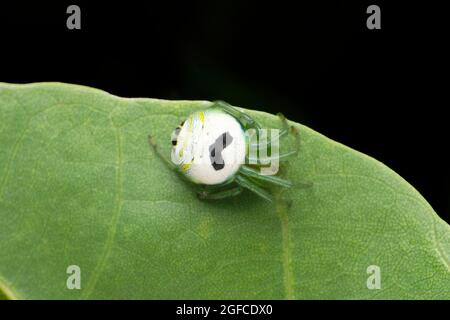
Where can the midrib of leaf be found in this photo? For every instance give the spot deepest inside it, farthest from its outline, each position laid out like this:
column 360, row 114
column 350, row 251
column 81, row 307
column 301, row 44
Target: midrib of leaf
column 119, row 202
column 286, row 243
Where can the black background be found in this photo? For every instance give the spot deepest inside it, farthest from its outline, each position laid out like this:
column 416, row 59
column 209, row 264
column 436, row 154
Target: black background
column 382, row 92
column 293, row 309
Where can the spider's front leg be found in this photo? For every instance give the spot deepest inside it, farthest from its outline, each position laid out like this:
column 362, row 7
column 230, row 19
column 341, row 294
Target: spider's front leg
column 293, row 130
column 247, row 121
column 158, row 153
column 169, row 164
column 263, row 143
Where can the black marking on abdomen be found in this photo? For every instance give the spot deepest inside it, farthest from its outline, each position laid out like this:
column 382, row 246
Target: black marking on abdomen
column 215, row 150
column 175, row 134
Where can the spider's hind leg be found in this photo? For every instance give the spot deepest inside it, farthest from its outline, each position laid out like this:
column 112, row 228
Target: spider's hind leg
column 216, row 193
column 264, row 179
column 247, row 183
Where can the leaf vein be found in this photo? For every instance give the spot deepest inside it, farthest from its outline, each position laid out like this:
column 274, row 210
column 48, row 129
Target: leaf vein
column 115, row 218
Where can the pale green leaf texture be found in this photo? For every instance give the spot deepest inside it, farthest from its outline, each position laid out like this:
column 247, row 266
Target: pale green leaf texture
column 79, row 185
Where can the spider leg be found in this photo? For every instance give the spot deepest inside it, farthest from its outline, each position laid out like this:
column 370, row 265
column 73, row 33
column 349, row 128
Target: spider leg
column 267, row 143
column 252, row 158
column 218, row 193
column 158, row 153
column 169, row 164
column 281, row 157
column 287, row 128
column 294, row 131
column 254, row 174
column 250, row 185
column 247, row 121
column 284, row 131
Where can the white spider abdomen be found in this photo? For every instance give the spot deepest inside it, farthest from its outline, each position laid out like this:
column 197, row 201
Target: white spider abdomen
column 210, row 147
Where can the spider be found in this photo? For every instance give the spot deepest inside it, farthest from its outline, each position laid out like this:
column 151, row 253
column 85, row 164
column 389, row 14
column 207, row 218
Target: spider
column 211, row 149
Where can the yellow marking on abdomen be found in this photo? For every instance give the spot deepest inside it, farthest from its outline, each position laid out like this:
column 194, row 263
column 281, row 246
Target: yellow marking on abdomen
column 185, row 167
column 190, row 123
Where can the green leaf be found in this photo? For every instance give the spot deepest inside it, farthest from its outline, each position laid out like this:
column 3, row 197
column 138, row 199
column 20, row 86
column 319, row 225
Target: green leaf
column 79, row 185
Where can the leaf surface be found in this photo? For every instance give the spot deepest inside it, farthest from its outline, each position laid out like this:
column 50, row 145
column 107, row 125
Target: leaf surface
column 79, row 185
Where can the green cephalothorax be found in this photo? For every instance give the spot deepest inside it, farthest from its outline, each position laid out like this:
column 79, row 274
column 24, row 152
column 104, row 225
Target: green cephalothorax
column 216, row 150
